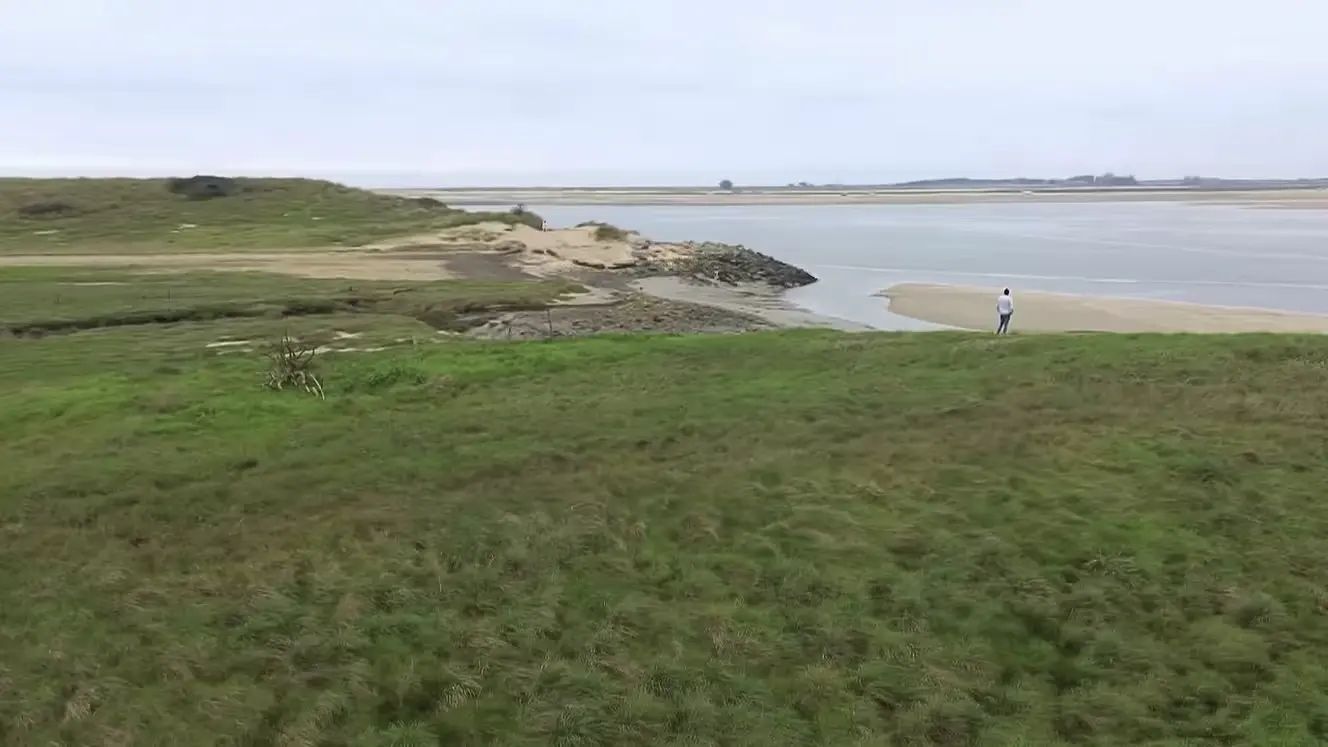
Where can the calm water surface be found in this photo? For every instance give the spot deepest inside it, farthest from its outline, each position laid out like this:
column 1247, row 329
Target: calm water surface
column 1221, row 255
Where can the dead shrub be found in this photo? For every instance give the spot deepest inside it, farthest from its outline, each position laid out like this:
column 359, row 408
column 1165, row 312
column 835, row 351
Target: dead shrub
column 293, row 366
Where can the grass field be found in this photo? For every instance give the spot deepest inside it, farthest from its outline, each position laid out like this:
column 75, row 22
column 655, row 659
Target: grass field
column 142, row 215
column 779, row 538
column 40, row 300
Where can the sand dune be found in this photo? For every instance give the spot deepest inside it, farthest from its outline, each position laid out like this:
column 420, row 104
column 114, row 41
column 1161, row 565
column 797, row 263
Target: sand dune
column 975, row 308
column 543, row 253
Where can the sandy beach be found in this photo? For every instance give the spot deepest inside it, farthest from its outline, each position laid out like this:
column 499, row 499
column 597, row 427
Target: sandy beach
column 971, row 307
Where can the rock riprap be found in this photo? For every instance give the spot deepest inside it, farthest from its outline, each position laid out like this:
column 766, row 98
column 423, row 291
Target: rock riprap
column 729, row 264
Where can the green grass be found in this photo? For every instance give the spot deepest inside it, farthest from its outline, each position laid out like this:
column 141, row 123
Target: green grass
column 38, row 300
column 933, row 540
column 606, row 231
column 777, row 538
column 143, row 215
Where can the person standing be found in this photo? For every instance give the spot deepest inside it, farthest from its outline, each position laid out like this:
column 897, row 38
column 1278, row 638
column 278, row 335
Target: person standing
column 1005, row 310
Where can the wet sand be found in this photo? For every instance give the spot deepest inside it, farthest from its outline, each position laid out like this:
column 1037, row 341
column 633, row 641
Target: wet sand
column 974, row 308
column 761, row 301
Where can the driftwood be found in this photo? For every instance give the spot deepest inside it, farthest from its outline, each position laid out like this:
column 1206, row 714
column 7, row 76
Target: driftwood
column 292, row 365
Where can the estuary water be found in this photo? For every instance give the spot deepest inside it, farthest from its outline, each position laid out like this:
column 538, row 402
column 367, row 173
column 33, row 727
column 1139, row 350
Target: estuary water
column 1218, row 255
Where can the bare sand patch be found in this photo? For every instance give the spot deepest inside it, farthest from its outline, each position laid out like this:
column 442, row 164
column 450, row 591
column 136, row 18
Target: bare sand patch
column 329, row 349
column 248, row 346
column 473, row 236
column 541, row 253
column 563, row 250
column 975, row 308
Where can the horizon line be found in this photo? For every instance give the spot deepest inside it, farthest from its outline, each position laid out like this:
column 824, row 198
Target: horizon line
column 350, row 177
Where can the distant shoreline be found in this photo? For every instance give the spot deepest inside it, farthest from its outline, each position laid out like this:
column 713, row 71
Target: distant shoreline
column 1316, row 198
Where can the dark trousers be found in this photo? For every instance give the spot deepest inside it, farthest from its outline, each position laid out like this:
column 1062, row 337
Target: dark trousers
column 1004, row 326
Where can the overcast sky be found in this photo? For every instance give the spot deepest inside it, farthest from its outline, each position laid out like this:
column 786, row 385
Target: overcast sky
column 683, row 91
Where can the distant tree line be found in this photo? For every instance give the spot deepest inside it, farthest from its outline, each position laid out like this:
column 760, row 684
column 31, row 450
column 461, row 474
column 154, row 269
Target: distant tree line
column 1104, row 180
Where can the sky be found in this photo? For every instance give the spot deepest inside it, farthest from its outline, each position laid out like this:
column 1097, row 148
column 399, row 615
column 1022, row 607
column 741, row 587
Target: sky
column 601, row 92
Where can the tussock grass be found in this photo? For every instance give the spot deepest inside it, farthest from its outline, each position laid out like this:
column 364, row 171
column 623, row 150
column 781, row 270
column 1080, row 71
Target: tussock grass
column 145, row 215
column 783, row 538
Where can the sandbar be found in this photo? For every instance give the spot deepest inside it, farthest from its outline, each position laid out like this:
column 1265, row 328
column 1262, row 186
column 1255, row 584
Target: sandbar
column 971, row 307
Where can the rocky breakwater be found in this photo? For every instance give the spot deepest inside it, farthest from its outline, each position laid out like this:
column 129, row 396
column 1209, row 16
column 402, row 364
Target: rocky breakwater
column 728, row 264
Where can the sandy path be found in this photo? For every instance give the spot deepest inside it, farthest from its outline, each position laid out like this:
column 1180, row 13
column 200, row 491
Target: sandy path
column 342, row 264
column 975, row 308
